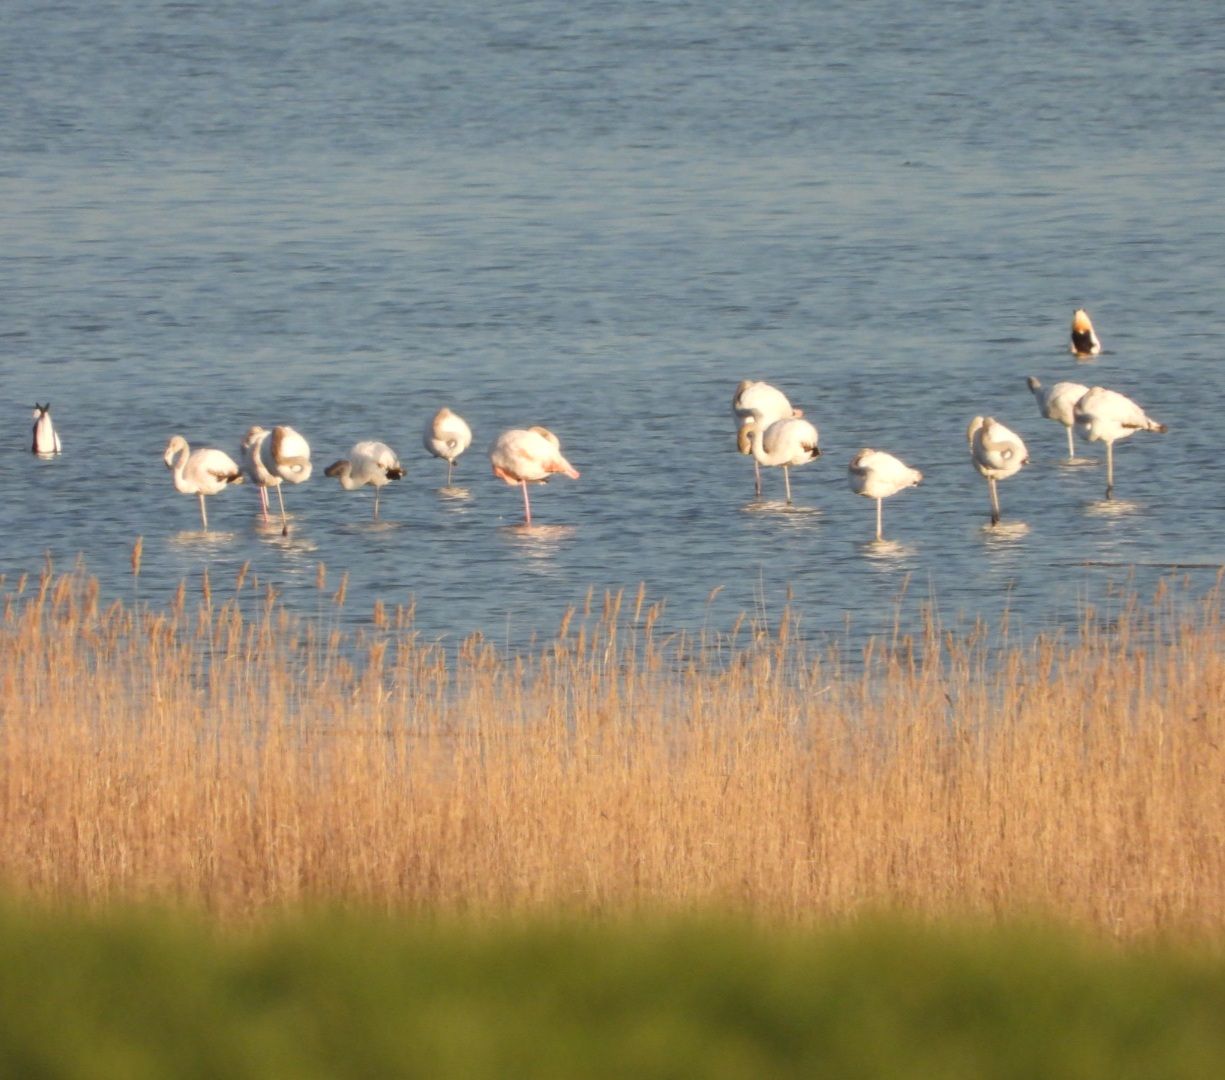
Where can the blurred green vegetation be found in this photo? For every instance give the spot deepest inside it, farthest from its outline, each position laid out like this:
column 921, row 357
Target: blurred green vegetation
column 133, row 994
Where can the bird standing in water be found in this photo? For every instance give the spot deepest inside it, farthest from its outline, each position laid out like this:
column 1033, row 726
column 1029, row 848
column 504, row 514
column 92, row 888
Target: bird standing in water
column 200, row 472
column 447, row 436
column 877, row 475
column 1108, row 416
column 528, row 456
column 997, row 452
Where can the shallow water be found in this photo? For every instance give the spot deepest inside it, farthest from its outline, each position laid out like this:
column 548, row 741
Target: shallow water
column 344, row 216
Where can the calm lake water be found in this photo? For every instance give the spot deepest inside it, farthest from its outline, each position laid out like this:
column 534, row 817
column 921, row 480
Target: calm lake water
column 600, row 218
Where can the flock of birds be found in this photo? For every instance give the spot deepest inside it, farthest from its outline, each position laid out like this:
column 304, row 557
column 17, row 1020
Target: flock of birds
column 768, row 428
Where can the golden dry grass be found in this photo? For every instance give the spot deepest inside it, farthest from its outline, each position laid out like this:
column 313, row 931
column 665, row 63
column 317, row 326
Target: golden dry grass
column 225, row 754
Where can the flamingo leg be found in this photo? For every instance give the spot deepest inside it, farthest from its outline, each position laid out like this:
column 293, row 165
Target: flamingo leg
column 878, row 529
column 1110, row 470
column 1071, row 449
column 203, row 512
column 284, row 522
column 376, row 504
column 527, row 506
column 787, row 483
column 995, row 500
column 757, row 477
column 450, row 466
column 263, row 501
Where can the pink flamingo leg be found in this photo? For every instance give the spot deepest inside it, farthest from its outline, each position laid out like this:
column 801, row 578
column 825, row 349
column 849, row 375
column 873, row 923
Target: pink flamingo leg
column 527, row 507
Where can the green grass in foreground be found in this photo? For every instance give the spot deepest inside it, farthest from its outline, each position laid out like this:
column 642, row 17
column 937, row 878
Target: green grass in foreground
column 147, row 995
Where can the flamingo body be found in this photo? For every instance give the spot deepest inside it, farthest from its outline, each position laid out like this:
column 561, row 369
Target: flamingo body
column 369, row 463
column 1083, row 341
column 876, row 475
column 200, row 472
column 46, row 440
column 1058, row 403
column 784, row 443
column 525, row 456
column 1107, row 416
column 447, row 436
column 997, row 452
column 762, row 404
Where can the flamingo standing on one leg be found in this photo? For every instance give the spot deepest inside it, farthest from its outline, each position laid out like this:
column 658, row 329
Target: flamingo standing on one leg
column 447, row 436
column 785, row 442
column 528, row 456
column 1083, row 340
column 877, row 475
column 1108, row 416
column 1058, row 402
column 760, row 403
column 200, row 472
column 46, row 438
column 372, row 463
column 997, row 452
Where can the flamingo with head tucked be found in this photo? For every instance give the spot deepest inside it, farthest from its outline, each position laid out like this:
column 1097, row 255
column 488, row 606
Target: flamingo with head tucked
column 997, row 453
column 200, row 472
column 528, row 456
column 447, row 436
column 877, row 475
column 291, row 461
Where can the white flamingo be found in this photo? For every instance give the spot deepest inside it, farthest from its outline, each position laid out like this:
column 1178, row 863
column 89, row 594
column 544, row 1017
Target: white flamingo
column 786, row 443
column 1107, row 416
column 528, row 456
column 46, row 438
column 447, row 436
column 200, row 472
column 997, row 452
column 760, row 403
column 1058, row 403
column 291, row 460
column 875, row 474
column 372, row 463
column 1084, row 341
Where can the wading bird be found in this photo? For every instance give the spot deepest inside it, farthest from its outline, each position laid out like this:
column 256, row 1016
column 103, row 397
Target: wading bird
column 447, row 436
column 875, row 474
column 1106, row 416
column 1058, row 403
column 528, row 456
column 200, row 472
column 372, row 463
column 1084, row 341
column 46, row 438
column 763, row 404
column 291, row 460
column 786, row 443
column 997, row 452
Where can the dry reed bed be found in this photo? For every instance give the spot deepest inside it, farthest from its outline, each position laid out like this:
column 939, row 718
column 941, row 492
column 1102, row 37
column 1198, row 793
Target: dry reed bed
column 225, row 754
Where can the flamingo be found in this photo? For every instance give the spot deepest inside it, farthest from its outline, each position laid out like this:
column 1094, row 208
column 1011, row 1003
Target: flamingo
column 1058, row 402
column 372, row 463
column 998, row 453
column 1106, row 416
column 785, row 442
column 46, row 438
column 1084, row 341
column 877, row 475
column 761, row 403
column 291, row 460
column 200, row 472
column 447, row 436
column 528, row 457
